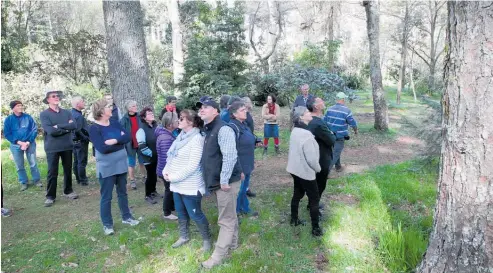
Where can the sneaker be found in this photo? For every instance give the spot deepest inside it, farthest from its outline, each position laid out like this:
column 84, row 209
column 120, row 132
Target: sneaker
column 6, row 212
column 150, row 200
column 108, row 231
column 49, row 202
column 249, row 193
column 133, row 185
column 72, row 195
column 131, row 221
column 38, row 184
column 339, row 169
column 23, row 187
column 171, row 217
column 254, row 214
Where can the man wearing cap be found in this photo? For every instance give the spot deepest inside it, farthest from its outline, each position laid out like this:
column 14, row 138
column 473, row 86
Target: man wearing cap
column 80, row 137
column 338, row 117
column 21, row 130
column 222, row 175
column 58, row 125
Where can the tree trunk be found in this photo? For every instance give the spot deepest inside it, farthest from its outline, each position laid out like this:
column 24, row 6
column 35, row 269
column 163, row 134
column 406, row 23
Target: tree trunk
column 402, row 70
column 177, row 41
column 272, row 38
column 127, row 57
column 330, row 34
column 412, row 77
column 462, row 237
column 379, row 103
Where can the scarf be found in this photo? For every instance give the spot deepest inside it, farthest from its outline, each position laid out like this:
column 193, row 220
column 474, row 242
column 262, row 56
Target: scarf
column 181, row 140
column 170, row 108
column 272, row 108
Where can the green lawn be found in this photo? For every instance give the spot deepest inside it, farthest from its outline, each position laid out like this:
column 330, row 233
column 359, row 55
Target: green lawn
column 377, row 221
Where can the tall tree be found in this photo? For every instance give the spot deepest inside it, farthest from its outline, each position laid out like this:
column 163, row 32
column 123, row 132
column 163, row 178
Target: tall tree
column 373, row 28
column 177, row 40
column 127, row 57
column 462, row 237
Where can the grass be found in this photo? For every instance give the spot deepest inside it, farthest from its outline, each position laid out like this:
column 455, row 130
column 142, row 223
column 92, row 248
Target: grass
column 377, row 221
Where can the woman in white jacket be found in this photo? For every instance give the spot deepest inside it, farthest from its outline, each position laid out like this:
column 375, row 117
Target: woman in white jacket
column 184, row 173
column 303, row 164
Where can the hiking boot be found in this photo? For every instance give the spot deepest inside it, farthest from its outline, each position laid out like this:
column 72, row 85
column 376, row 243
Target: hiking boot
column 183, row 229
column 211, row 262
column 181, row 241
column 38, row 184
column 133, row 185
column 23, row 187
column 339, row 169
column 131, row 221
column 150, row 200
column 317, row 231
column 72, row 195
column 84, row 184
column 265, row 151
column 49, row 202
column 108, row 231
column 297, row 222
column 6, row 212
column 171, row 217
column 249, row 193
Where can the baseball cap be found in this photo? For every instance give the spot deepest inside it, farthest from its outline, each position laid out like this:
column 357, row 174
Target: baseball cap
column 341, row 95
column 206, row 100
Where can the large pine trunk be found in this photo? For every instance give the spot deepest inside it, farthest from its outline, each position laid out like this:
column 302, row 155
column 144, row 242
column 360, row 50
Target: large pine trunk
column 462, row 237
column 379, row 103
column 127, row 57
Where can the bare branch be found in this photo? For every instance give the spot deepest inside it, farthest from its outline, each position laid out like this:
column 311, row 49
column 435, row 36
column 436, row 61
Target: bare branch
column 439, row 53
column 252, row 26
column 419, row 55
column 278, row 35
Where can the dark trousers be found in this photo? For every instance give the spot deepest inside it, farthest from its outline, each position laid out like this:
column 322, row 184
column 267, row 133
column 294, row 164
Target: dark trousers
column 151, row 179
column 107, row 184
column 168, row 202
column 321, row 178
column 53, row 159
column 302, row 186
column 80, row 161
column 336, row 154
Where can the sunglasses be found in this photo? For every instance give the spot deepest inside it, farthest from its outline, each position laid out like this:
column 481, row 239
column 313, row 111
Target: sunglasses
column 54, row 96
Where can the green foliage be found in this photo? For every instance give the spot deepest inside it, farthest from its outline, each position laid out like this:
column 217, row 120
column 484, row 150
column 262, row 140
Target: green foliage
column 79, row 57
column 5, row 144
column 320, row 55
column 215, row 62
column 160, row 72
column 285, row 83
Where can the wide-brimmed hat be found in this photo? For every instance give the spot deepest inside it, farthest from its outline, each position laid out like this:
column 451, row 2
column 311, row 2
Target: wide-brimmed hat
column 59, row 93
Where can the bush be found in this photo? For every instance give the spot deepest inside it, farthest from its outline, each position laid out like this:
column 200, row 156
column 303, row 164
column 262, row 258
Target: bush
column 5, row 144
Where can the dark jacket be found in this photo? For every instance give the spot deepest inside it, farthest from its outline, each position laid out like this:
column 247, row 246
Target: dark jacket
column 20, row 128
column 81, row 133
column 225, row 115
column 325, row 139
column 164, row 111
column 245, row 144
column 250, row 123
column 115, row 114
column 212, row 158
column 149, row 143
column 57, row 139
column 126, row 124
column 299, row 101
column 164, row 139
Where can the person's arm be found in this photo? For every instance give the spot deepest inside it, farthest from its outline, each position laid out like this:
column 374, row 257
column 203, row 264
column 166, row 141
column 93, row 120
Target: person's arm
column 69, row 125
column 97, row 140
column 193, row 162
column 48, row 127
column 141, row 139
column 352, row 122
column 78, row 128
column 7, row 131
column 227, row 144
column 265, row 112
column 277, row 111
column 124, row 137
column 310, row 148
column 33, row 130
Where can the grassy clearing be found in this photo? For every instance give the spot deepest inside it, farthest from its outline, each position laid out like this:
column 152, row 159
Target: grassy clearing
column 376, row 221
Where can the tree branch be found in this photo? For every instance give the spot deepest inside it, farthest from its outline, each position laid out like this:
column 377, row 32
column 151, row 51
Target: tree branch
column 419, row 55
column 252, row 26
column 278, row 35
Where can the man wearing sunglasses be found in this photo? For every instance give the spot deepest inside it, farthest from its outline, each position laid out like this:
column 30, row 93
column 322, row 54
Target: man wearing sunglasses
column 58, row 125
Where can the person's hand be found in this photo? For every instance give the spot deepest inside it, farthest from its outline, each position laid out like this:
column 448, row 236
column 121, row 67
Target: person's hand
column 111, row 141
column 259, row 144
column 242, row 176
column 56, row 126
column 225, row 187
column 70, row 121
column 24, row 146
column 166, row 177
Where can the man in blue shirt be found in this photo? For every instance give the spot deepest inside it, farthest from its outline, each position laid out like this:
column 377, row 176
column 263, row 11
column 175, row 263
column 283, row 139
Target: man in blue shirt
column 21, row 130
column 338, row 117
column 80, row 136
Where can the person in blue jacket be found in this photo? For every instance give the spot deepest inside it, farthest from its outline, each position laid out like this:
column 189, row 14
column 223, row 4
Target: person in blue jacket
column 21, row 130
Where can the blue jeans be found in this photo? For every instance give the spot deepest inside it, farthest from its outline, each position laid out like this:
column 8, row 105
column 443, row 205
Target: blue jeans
column 18, row 155
column 107, row 183
column 243, row 205
column 336, row 154
column 190, row 206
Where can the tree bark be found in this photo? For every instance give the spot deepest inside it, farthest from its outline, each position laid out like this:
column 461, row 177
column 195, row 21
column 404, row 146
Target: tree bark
column 177, row 41
column 379, row 103
column 412, row 77
column 462, row 237
column 127, row 57
column 404, row 38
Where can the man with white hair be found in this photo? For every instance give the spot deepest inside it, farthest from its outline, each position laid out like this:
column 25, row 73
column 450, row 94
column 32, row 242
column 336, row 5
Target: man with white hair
column 80, row 136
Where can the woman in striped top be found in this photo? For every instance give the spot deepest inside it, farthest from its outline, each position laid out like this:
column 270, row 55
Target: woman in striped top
column 183, row 172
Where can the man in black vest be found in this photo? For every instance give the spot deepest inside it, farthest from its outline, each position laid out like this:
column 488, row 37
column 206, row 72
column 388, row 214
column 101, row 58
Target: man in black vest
column 222, row 175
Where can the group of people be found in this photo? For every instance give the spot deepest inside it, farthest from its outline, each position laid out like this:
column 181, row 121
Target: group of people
column 193, row 153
